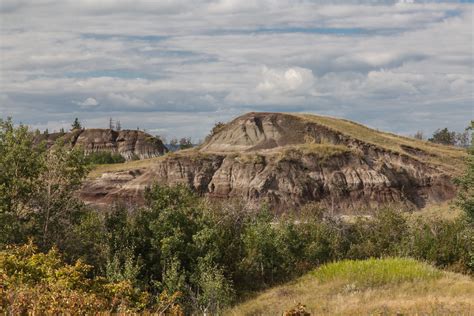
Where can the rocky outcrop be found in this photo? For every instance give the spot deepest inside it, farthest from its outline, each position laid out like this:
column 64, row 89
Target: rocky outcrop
column 130, row 144
column 287, row 161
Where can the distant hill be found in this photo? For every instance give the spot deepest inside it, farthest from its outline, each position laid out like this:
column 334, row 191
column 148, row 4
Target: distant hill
column 287, row 160
column 130, row 144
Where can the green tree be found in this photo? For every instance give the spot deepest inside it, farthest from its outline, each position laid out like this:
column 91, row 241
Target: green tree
column 37, row 187
column 185, row 143
column 54, row 200
column 214, row 291
column 76, row 124
column 466, row 183
column 21, row 165
column 443, row 136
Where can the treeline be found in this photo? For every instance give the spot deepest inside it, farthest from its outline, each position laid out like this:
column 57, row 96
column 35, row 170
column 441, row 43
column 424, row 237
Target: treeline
column 446, row 137
column 179, row 253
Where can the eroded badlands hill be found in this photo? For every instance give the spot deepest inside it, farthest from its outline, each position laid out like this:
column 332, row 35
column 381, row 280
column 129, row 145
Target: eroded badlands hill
column 290, row 159
column 130, row 144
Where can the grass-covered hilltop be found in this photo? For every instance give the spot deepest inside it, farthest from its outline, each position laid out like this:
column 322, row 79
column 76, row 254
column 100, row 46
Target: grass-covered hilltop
column 273, row 214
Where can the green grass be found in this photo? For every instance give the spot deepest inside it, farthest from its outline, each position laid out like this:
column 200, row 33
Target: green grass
column 376, row 272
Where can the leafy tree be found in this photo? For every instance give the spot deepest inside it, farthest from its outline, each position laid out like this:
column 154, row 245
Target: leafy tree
column 21, row 165
column 54, row 200
column 466, row 183
column 174, row 143
column 185, row 143
column 214, row 291
column 76, row 124
column 419, row 135
column 443, row 136
column 462, row 139
column 37, row 187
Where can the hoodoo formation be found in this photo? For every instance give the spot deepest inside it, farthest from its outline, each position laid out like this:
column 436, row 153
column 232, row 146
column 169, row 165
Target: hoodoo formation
column 130, row 144
column 287, row 160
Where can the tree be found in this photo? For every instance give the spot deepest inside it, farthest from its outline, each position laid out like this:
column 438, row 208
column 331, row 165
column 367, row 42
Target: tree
column 443, row 136
column 185, row 143
column 37, row 187
column 54, row 200
column 20, row 167
column 466, row 183
column 462, row 139
column 76, row 124
column 419, row 135
column 174, row 142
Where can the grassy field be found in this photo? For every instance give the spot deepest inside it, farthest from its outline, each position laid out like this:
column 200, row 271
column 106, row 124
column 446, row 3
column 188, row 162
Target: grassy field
column 98, row 170
column 369, row 287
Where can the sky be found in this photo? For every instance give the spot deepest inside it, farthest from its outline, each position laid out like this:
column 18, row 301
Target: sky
column 176, row 67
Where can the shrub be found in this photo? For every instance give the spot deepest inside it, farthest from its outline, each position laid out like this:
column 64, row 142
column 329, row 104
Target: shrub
column 104, row 157
column 41, row 283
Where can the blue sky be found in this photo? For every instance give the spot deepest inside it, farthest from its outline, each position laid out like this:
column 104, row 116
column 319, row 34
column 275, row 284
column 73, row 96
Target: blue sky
column 175, row 67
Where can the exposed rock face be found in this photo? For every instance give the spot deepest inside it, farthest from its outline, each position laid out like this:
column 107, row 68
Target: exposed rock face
column 287, row 161
column 130, row 144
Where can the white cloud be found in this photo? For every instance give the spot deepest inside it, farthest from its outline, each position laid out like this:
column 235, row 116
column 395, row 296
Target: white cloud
column 291, row 80
column 207, row 57
column 87, row 103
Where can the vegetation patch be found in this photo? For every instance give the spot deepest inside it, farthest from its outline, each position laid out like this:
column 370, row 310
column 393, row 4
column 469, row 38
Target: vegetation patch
column 104, row 157
column 322, row 151
column 376, row 272
column 98, row 170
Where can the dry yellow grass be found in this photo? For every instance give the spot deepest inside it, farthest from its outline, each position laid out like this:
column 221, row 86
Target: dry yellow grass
column 446, row 210
column 448, row 294
column 98, row 170
column 323, row 151
column 448, row 157
column 192, row 154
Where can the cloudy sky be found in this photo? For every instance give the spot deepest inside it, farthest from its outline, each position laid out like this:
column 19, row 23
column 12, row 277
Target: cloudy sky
column 175, row 67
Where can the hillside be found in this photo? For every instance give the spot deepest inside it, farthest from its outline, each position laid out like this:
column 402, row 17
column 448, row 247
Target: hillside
column 370, row 287
column 130, row 144
column 288, row 160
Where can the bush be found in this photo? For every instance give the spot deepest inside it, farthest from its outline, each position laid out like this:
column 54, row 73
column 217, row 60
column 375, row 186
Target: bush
column 104, row 157
column 41, row 283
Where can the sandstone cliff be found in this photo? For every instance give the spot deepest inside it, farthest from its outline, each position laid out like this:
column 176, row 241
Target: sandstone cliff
column 130, row 144
column 288, row 160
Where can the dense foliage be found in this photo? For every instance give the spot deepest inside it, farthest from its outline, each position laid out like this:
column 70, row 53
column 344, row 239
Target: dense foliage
column 104, row 157
column 205, row 255
column 41, row 283
column 466, row 183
